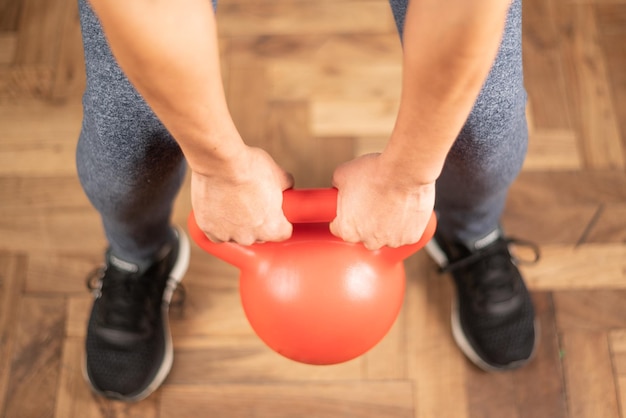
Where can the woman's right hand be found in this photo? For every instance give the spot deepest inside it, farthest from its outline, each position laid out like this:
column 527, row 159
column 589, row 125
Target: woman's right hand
column 243, row 202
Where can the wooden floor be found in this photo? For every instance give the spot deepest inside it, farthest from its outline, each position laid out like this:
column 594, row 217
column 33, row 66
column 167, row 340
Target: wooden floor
column 316, row 82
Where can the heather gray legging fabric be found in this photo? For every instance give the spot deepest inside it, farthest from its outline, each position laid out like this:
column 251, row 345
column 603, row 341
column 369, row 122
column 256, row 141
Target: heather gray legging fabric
column 131, row 168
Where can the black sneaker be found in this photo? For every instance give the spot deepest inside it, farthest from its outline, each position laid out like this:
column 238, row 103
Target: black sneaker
column 129, row 347
column 493, row 319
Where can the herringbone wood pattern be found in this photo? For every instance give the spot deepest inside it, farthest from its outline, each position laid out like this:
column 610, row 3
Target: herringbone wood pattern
column 316, row 83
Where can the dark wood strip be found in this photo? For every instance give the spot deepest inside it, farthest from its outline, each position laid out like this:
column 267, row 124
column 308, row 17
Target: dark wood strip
column 36, row 359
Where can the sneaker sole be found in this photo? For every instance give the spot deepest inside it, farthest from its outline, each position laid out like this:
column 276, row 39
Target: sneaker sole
column 437, row 254
column 176, row 276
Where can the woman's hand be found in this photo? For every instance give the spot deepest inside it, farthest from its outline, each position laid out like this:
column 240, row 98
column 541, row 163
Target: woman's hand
column 243, row 202
column 377, row 209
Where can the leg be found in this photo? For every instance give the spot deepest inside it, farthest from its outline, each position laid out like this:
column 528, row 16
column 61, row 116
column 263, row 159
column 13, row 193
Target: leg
column 129, row 165
column 131, row 170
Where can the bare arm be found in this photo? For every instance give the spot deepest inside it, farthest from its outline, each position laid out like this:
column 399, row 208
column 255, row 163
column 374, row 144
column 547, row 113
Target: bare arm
column 169, row 51
column 449, row 47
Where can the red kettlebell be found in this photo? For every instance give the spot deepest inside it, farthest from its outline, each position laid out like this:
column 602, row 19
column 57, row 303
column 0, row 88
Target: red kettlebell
column 315, row 298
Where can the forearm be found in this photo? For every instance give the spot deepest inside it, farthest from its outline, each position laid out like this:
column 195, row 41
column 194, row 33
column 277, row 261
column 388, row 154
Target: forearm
column 169, row 51
column 448, row 49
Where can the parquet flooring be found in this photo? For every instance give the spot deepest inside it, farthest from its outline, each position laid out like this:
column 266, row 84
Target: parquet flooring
column 316, row 83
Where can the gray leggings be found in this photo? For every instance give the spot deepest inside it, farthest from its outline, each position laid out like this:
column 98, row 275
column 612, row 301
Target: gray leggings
column 131, row 168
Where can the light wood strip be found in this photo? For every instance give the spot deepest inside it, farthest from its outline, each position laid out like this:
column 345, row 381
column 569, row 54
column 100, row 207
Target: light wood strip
column 434, row 362
column 589, row 266
column 589, row 378
column 357, row 16
column 347, row 81
column 201, row 360
column 354, row 118
column 282, row 400
column 590, row 91
column 552, row 150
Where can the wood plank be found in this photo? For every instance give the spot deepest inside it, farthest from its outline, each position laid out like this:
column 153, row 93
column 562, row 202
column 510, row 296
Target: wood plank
column 516, row 393
column 12, row 271
column 552, row 150
column 53, row 136
column 219, row 358
column 349, row 81
column 247, row 99
column 241, row 18
column 590, row 309
column 588, row 266
column 547, row 224
column 60, row 273
column 290, row 143
column 543, row 68
column 69, row 67
column 610, row 225
column 311, row 160
column 540, row 189
column 548, row 398
column 9, row 15
column 339, row 118
column 434, row 363
column 617, row 345
column 390, row 399
column 612, row 24
column 19, row 195
column 37, row 36
column 64, row 231
column 590, row 91
column 23, row 84
column 8, row 44
column 388, row 359
column 36, row 359
column 589, row 378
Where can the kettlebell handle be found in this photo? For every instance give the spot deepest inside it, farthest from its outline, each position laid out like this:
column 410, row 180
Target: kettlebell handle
column 310, row 205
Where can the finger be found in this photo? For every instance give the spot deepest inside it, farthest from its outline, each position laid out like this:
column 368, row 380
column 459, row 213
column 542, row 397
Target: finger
column 286, row 181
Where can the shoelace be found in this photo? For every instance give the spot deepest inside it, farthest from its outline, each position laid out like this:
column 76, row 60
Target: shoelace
column 495, row 281
column 127, row 298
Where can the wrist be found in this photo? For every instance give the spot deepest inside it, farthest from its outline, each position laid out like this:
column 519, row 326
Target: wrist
column 408, row 162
